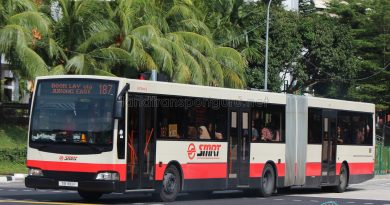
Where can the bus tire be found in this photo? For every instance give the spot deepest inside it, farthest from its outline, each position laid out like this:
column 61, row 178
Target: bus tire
column 170, row 185
column 343, row 179
column 90, row 196
column 267, row 186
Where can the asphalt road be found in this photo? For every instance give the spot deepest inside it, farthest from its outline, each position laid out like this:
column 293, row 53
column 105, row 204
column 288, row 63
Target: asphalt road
column 374, row 192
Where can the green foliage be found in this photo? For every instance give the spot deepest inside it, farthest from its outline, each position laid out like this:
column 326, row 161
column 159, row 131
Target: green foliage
column 369, row 21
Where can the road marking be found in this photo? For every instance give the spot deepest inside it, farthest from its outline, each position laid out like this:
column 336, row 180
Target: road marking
column 1, row 189
column 260, row 198
column 350, row 202
column 39, row 202
column 27, row 190
column 315, row 201
column 12, row 190
column 368, row 203
column 57, row 191
column 278, row 199
column 297, row 200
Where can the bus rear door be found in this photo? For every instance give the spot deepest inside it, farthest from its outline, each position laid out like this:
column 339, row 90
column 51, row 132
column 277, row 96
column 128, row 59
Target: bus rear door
column 239, row 145
column 329, row 145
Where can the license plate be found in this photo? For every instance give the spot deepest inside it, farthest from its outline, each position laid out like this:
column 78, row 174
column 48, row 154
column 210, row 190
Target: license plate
column 68, row 184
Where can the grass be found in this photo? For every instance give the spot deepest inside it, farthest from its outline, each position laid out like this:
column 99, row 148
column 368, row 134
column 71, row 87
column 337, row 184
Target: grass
column 12, row 137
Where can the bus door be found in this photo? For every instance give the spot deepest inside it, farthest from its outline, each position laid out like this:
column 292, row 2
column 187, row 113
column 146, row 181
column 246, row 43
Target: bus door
column 239, row 145
column 329, row 145
column 140, row 142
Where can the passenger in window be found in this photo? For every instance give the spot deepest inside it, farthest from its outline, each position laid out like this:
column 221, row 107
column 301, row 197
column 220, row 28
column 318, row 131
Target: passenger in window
column 203, row 133
column 339, row 135
column 255, row 133
column 214, row 134
column 359, row 136
column 266, row 134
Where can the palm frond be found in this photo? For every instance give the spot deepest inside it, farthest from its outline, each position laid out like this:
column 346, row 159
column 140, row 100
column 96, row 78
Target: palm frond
column 23, row 5
column 194, row 25
column 125, row 12
column 202, row 61
column 146, row 33
column 232, row 79
column 12, row 36
column 102, row 72
column 31, row 20
column 251, row 54
column 58, row 70
column 195, row 69
column 202, row 43
column 95, row 41
column 54, row 51
column 182, row 75
column 112, row 55
column 163, row 59
column 173, row 48
column 222, row 52
column 180, row 12
column 216, row 73
column 101, row 25
column 76, row 64
column 32, row 63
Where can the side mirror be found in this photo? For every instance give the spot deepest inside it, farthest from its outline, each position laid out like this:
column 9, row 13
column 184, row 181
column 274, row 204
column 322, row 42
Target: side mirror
column 118, row 109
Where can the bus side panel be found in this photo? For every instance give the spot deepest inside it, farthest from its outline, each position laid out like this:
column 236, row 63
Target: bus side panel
column 260, row 154
column 203, row 163
column 360, row 161
column 313, row 165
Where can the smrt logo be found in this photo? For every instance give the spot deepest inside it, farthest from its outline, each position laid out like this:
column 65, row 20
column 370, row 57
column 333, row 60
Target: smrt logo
column 206, row 151
column 191, row 151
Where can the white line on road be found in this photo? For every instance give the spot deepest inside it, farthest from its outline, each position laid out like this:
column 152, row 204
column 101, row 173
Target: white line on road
column 297, row 200
column 57, row 191
column 278, row 199
column 368, row 203
column 315, row 201
column 1, row 189
column 27, row 190
column 350, row 202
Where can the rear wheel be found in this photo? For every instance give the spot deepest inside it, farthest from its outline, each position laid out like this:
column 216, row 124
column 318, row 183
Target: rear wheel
column 90, row 196
column 267, row 186
column 343, row 179
column 170, row 185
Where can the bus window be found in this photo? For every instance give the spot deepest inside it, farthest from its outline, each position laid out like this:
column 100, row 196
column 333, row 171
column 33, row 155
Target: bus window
column 354, row 128
column 268, row 124
column 190, row 118
column 314, row 126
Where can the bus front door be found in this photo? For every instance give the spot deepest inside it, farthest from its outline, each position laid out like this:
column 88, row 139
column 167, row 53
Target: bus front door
column 140, row 146
column 329, row 145
column 239, row 145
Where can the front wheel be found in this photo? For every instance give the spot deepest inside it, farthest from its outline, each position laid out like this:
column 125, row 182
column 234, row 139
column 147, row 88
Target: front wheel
column 343, row 180
column 90, row 196
column 170, row 185
column 267, row 186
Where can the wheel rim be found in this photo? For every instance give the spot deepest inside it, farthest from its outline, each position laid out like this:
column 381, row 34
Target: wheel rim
column 169, row 183
column 343, row 177
column 267, row 181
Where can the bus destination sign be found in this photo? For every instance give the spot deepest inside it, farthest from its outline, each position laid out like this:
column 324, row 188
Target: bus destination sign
column 82, row 88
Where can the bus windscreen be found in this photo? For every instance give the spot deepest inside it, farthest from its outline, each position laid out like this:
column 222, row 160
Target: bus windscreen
column 73, row 111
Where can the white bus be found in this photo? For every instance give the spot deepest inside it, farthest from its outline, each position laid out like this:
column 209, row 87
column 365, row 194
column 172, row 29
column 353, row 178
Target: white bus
column 100, row 135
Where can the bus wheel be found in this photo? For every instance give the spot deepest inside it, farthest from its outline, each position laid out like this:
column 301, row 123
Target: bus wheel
column 343, row 180
column 170, row 185
column 90, row 196
column 267, row 186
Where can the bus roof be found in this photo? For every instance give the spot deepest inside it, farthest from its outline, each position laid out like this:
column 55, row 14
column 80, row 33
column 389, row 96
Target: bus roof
column 187, row 90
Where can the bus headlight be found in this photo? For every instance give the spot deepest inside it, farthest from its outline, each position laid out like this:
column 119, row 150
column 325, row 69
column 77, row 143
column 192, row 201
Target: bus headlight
column 107, row 176
column 35, row 172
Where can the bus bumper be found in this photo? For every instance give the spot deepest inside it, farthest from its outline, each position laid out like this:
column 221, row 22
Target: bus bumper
column 92, row 185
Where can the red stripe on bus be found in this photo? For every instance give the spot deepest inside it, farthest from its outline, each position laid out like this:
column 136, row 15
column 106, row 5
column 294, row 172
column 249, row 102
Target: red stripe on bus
column 256, row 169
column 358, row 168
column 78, row 167
column 313, row 169
column 197, row 171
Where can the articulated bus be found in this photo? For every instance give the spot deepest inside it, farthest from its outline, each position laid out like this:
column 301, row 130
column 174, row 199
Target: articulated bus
column 101, row 135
